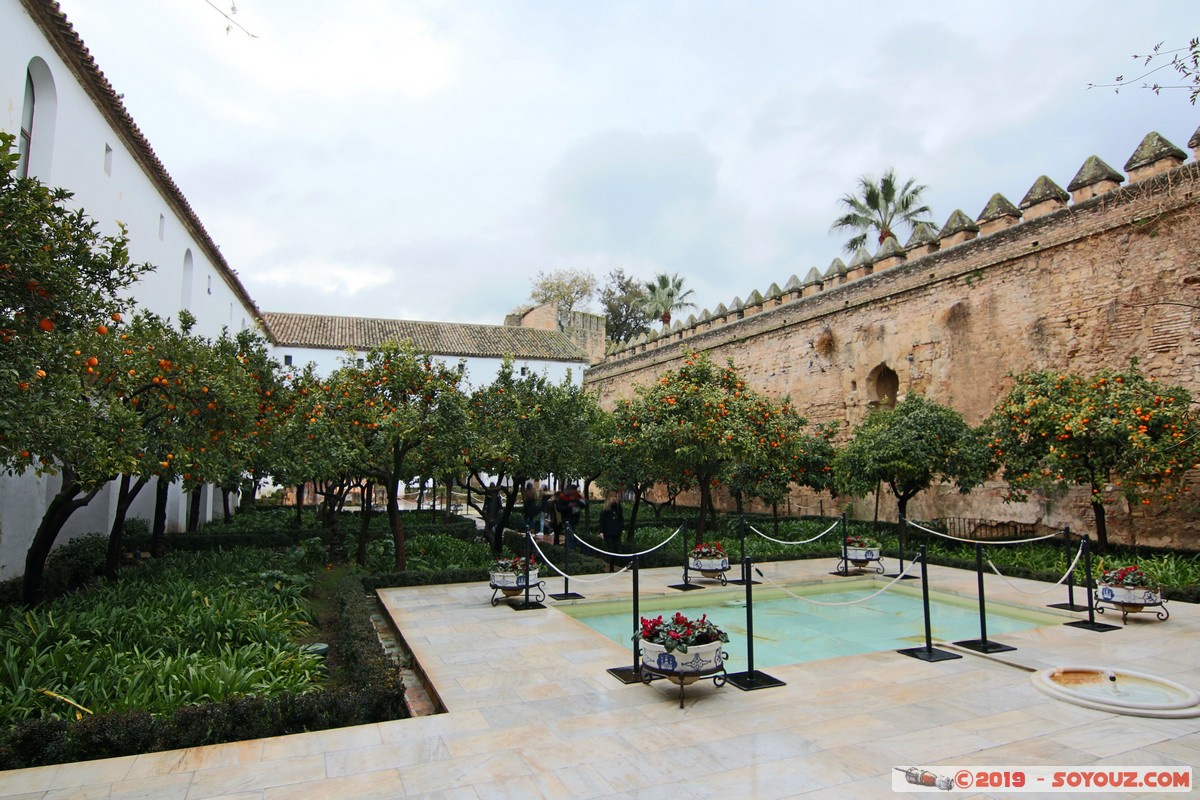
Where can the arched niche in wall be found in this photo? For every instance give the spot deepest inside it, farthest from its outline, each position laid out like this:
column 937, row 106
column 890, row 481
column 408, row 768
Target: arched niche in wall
column 883, row 385
column 189, row 269
column 38, row 116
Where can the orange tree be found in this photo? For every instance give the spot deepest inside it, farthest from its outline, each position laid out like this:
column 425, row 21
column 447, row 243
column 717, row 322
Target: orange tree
column 521, row 427
column 59, row 278
column 409, row 399
column 908, row 448
column 693, row 426
column 1056, row 430
column 787, row 454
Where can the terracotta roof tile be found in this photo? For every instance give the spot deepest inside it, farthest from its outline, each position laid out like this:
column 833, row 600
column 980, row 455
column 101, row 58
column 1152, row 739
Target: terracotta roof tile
column 436, row 338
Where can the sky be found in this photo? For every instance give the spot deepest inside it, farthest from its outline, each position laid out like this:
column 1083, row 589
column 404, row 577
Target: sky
column 426, row 160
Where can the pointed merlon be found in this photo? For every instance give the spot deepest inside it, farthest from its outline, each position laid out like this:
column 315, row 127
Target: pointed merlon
column 813, row 276
column 958, row 228
column 1153, row 156
column 890, row 254
column 1094, row 178
column 691, row 321
column 774, row 291
column 1044, row 197
column 755, row 299
column 860, row 266
column 705, row 315
column 1194, row 143
column 998, row 213
column 721, row 310
column 835, row 269
column 737, row 304
column 793, row 284
column 923, row 234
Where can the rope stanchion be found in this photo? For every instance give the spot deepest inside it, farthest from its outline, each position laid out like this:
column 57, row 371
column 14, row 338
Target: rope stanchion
column 566, row 593
column 928, row 652
column 687, row 585
column 1070, row 605
column 1090, row 623
column 633, row 674
column 982, row 645
column 752, row 678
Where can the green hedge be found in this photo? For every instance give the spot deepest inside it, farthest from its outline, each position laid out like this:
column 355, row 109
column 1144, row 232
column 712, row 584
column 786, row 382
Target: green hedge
column 370, row 690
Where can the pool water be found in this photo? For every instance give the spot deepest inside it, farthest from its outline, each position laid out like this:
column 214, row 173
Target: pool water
column 791, row 631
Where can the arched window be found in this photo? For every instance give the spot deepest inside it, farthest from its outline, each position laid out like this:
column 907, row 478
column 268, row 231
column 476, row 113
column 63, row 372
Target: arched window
column 185, row 299
column 36, row 147
column 883, row 384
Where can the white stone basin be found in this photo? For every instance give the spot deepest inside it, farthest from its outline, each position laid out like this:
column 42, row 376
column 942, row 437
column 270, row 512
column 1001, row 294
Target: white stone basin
column 1120, row 691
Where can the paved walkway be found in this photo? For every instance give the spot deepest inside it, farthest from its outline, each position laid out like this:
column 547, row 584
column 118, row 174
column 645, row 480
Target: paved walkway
column 533, row 713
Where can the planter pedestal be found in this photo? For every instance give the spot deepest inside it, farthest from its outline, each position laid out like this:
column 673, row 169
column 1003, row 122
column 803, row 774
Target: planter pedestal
column 683, row 669
column 710, row 568
column 505, row 585
column 860, row 558
column 1131, row 600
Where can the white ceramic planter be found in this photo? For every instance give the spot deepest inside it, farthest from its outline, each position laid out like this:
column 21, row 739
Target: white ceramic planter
column 513, row 580
column 707, row 565
column 862, row 554
column 699, row 660
column 1135, row 596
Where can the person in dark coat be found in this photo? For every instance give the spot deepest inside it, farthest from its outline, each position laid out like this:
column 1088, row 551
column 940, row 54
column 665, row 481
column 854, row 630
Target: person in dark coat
column 530, row 506
column 612, row 523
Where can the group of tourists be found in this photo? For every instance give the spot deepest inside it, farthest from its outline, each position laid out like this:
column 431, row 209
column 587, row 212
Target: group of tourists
column 555, row 515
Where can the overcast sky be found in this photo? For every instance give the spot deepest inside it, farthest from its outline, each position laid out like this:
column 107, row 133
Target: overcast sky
column 424, row 160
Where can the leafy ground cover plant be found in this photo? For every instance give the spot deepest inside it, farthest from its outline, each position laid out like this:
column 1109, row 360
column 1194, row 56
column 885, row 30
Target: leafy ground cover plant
column 180, row 630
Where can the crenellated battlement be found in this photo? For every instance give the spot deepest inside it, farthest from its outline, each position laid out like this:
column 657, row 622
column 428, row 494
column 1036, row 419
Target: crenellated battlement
column 999, row 220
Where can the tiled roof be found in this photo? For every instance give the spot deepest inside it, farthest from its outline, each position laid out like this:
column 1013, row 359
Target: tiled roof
column 74, row 53
column 435, row 338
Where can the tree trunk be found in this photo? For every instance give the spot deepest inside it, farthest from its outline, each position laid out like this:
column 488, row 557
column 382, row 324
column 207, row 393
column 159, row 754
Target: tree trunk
column 1101, row 528
column 125, row 498
column 299, row 504
column 364, row 527
column 162, row 490
column 57, row 513
column 706, row 503
column 396, row 526
column 631, row 531
column 193, row 519
column 227, row 513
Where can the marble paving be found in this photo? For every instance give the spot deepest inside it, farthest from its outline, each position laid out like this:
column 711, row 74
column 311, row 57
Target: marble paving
column 532, row 712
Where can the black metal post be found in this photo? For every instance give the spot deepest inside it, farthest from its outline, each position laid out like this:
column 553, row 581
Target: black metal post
column 928, row 652
column 982, row 645
column 751, row 679
column 528, row 603
column 687, row 584
column 742, row 551
column 566, row 593
column 1090, row 623
column 1070, row 604
column 633, row 674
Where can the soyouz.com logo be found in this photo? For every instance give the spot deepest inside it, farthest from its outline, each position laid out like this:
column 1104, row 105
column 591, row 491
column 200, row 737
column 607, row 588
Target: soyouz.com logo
column 1042, row 779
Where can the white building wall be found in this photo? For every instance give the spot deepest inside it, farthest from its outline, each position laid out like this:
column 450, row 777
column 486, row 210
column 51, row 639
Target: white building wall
column 113, row 189
column 480, row 371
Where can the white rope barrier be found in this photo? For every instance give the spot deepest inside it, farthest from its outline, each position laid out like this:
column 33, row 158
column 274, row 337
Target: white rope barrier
column 889, row 585
column 806, row 541
column 1056, row 585
column 572, row 577
column 982, row 541
column 629, row 555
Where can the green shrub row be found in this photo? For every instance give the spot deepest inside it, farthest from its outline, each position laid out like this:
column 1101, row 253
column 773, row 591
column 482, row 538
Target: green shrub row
column 371, row 691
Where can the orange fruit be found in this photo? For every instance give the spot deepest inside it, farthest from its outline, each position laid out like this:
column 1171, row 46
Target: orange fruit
column 102, row 329
column 46, row 324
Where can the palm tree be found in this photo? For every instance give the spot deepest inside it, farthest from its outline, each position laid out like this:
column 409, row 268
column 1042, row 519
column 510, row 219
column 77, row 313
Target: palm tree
column 666, row 295
column 879, row 207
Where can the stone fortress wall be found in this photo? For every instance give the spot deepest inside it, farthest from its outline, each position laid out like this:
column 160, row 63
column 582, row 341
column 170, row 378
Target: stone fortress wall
column 1076, row 282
